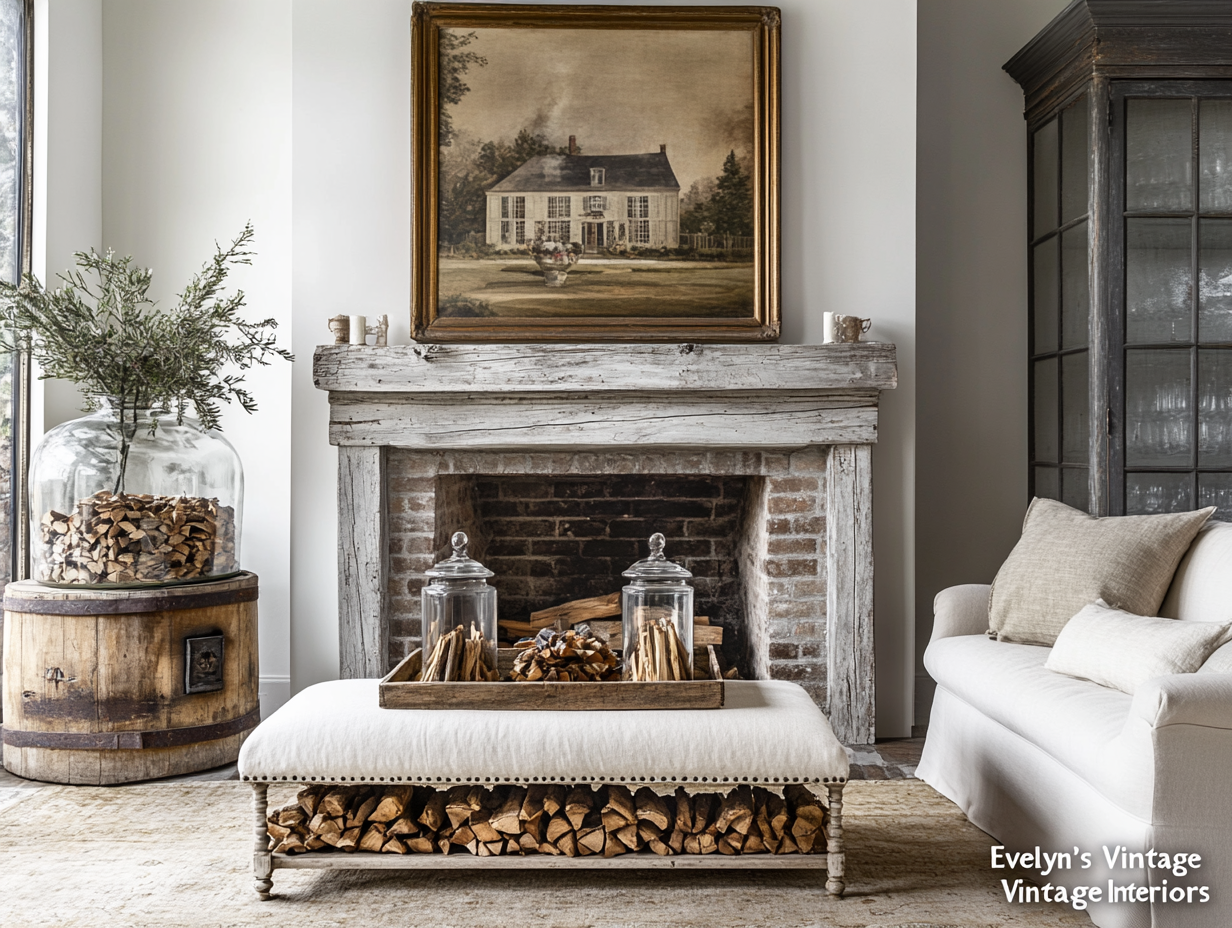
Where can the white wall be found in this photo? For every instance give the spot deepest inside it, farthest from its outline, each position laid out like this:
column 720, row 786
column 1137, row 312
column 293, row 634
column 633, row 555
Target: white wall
column 206, row 104
column 971, row 232
column 352, row 255
column 68, row 160
column 196, row 141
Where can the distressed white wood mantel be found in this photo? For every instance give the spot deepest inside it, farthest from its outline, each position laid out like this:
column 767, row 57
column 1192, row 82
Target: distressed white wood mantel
column 611, row 398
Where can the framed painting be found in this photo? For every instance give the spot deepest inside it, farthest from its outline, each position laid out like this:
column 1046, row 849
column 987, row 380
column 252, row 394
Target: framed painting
column 595, row 173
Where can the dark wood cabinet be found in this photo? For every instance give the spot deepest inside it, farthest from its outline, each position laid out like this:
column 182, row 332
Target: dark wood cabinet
column 1129, row 134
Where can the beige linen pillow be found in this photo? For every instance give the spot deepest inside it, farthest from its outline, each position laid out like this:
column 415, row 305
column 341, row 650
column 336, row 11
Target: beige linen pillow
column 1116, row 649
column 1066, row 559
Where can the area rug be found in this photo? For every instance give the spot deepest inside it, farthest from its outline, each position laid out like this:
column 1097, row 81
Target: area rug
column 179, row 854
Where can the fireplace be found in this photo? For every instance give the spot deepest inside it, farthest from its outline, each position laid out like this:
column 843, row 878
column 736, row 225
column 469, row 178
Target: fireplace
column 560, row 461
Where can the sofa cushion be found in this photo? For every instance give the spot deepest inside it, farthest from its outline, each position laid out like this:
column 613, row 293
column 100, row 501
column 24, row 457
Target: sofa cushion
column 770, row 730
column 1113, row 648
column 1066, row 559
column 1083, row 726
column 1201, row 590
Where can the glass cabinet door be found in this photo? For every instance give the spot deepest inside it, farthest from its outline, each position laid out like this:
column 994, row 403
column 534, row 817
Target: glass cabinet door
column 1175, row 312
column 1060, row 307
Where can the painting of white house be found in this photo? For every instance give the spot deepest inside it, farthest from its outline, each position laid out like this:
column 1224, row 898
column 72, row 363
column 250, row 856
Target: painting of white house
column 589, row 173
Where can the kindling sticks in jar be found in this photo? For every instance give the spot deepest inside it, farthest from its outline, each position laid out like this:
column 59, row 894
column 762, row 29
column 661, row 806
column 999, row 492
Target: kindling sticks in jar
column 657, row 619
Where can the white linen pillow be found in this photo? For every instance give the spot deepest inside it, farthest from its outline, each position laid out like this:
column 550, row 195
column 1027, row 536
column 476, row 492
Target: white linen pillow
column 1219, row 662
column 1121, row 650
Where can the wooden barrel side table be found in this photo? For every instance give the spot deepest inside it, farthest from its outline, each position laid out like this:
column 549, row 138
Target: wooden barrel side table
column 112, row 686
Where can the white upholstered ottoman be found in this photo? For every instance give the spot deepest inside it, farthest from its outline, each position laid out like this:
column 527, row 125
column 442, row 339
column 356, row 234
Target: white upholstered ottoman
column 768, row 733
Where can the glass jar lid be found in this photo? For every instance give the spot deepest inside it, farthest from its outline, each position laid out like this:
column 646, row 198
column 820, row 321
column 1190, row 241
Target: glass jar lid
column 657, row 567
column 459, row 566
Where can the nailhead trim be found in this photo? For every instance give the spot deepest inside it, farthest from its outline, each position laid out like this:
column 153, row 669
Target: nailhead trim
column 547, row 779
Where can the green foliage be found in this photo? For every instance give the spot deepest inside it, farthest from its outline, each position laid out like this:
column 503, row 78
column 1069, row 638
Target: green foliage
column 464, row 182
column 731, row 207
column 723, row 206
column 454, row 63
column 103, row 332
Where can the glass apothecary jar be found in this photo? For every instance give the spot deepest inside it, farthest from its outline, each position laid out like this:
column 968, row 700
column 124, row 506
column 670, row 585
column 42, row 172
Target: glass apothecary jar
column 459, row 619
column 657, row 618
column 131, row 498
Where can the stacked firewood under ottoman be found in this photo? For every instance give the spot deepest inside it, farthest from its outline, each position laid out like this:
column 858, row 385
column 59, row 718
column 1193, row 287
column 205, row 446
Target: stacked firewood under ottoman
column 577, row 821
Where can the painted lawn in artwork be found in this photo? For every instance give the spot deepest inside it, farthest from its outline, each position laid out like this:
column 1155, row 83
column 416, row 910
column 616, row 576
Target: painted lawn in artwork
column 514, row 287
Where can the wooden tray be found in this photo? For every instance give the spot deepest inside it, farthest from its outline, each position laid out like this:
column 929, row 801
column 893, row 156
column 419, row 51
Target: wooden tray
column 400, row 691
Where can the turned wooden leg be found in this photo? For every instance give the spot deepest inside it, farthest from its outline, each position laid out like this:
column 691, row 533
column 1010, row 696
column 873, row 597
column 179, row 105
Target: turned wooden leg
column 262, row 861
column 835, row 857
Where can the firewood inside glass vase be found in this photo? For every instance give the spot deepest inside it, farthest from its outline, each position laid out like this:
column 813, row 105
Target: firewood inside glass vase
column 657, row 618
column 459, row 619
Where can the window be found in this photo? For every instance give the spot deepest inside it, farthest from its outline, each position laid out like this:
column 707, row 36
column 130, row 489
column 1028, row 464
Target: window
column 560, row 231
column 519, row 232
column 596, row 204
column 639, row 207
column 639, row 231
column 513, row 207
column 15, row 105
column 558, row 207
column 506, row 231
column 597, row 177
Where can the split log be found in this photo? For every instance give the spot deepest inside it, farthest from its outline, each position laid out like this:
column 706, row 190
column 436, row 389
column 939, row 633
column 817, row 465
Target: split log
column 393, row 803
column 651, row 808
column 579, row 803
column 433, row 815
column 554, row 799
column 373, row 838
column 577, row 611
column 507, row 818
column 620, row 801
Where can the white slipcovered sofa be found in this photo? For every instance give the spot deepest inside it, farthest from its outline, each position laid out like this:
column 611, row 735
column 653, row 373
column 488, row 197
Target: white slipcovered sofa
column 1036, row 758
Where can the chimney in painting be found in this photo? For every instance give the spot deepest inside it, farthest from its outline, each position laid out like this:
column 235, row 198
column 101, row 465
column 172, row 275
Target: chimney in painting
column 663, row 148
column 573, row 144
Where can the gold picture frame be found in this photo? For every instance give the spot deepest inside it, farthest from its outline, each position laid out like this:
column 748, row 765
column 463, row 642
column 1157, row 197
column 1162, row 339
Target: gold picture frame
column 521, row 233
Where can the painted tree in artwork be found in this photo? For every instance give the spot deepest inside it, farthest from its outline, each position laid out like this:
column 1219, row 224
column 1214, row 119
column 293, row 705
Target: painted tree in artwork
column 455, row 62
column 731, row 207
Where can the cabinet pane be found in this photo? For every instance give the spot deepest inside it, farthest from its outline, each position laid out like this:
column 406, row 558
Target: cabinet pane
column 1158, row 149
column 1046, row 410
column 1074, row 170
column 1215, row 280
column 1075, row 408
column 1046, row 274
column 1158, row 294
column 1045, row 161
column 1215, row 154
column 1146, row 494
column 1158, row 415
column 1075, row 288
column 1075, row 488
column 1216, row 490
column 1047, row 483
column 1215, row 407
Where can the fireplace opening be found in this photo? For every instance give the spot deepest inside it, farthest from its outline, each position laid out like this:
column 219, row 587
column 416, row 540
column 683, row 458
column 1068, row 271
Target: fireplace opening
column 553, row 539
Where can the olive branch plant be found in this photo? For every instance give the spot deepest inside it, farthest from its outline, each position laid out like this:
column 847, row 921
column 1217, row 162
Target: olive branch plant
column 101, row 330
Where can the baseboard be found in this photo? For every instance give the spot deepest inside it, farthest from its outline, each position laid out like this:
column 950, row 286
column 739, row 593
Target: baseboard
column 273, row 691
column 924, row 689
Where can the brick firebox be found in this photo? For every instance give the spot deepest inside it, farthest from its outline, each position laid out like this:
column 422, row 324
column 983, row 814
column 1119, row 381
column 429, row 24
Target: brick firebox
column 750, row 526
column 432, row 438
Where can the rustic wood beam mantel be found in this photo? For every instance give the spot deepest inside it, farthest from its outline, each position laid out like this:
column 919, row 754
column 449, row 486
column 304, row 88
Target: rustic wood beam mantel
column 617, row 399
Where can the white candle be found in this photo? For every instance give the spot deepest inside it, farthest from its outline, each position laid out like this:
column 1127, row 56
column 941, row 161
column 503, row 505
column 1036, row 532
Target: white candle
column 827, row 328
column 359, row 330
